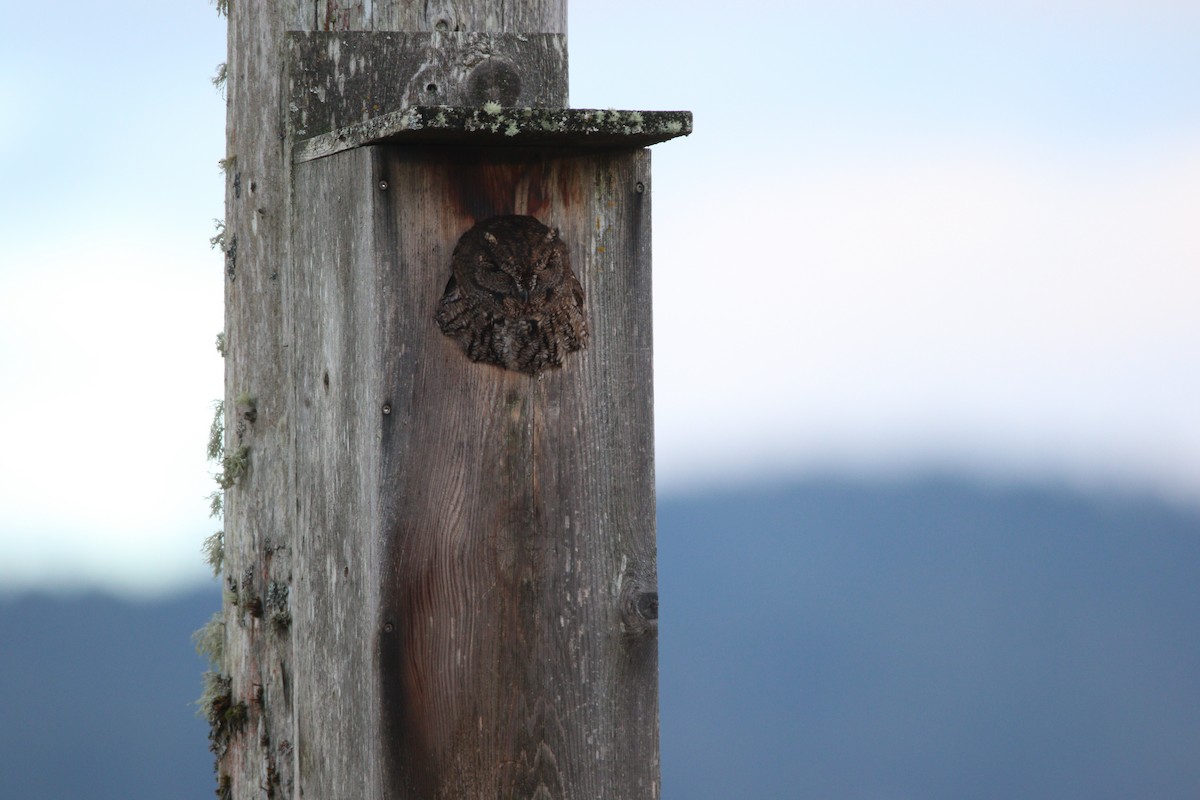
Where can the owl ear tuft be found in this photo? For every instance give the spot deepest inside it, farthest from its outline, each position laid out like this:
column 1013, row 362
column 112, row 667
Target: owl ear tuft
column 490, row 237
column 551, row 234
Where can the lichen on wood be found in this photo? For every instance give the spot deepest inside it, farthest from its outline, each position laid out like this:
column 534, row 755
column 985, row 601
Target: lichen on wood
column 491, row 124
column 210, row 641
column 226, row 717
column 214, row 549
column 217, row 240
column 220, row 77
column 234, row 465
column 216, row 429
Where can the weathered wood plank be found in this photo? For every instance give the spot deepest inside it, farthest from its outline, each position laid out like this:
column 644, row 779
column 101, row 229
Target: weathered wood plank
column 478, row 548
column 539, row 16
column 254, row 742
column 505, row 127
column 434, row 566
column 339, row 79
column 519, row 511
column 337, row 353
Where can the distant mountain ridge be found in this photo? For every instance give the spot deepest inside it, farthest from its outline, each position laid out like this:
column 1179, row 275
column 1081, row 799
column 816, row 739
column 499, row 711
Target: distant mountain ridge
column 96, row 696
column 826, row 638
column 929, row 639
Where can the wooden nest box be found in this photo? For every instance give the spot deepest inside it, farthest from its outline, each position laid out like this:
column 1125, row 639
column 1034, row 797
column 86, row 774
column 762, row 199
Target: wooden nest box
column 465, row 421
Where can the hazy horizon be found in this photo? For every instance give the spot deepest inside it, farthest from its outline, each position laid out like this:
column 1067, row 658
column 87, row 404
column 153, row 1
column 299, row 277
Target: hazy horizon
column 931, row 639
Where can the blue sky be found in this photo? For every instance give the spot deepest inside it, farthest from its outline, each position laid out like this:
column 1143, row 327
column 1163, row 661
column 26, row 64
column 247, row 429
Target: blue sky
column 905, row 236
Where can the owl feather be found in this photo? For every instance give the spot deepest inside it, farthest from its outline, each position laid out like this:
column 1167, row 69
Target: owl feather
column 512, row 299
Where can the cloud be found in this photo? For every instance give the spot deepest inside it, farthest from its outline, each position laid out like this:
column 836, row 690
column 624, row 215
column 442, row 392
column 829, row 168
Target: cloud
column 106, row 344
column 903, row 233
column 944, row 302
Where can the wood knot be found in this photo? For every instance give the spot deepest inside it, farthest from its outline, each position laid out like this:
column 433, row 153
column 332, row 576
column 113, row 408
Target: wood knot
column 646, row 605
column 494, row 80
column 639, row 609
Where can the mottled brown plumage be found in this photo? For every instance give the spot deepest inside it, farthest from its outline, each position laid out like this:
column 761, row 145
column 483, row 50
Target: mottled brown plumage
column 512, row 299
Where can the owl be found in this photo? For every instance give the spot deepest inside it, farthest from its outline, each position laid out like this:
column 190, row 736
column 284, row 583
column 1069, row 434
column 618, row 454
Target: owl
column 512, row 299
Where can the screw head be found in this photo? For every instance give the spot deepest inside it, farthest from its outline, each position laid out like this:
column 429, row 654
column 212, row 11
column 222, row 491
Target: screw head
column 387, row 409
column 383, row 185
column 640, row 187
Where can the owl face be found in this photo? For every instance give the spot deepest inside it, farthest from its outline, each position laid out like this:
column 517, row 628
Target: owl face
column 513, row 265
column 512, row 299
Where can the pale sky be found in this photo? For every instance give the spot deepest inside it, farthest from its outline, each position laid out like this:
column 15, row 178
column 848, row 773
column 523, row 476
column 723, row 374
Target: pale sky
column 905, row 236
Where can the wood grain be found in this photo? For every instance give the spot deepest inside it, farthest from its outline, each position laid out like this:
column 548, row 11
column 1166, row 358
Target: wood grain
column 505, row 127
column 337, row 353
column 260, row 508
column 518, row 510
column 535, row 16
column 464, row 560
column 339, row 79
column 459, row 546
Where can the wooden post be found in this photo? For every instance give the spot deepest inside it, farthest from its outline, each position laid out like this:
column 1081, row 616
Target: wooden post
column 441, row 577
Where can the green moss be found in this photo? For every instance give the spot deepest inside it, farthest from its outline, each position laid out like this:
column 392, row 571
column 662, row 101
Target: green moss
column 494, row 123
column 226, row 718
column 221, row 343
column 281, row 622
column 216, row 446
column 277, row 595
column 217, row 240
column 210, row 641
column 234, row 465
column 215, row 695
column 236, row 716
column 231, row 595
column 246, row 405
column 222, row 7
column 216, row 431
column 277, row 605
column 219, row 79
column 214, row 547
